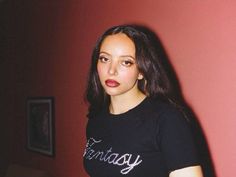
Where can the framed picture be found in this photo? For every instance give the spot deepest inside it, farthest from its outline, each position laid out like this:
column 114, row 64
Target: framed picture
column 40, row 125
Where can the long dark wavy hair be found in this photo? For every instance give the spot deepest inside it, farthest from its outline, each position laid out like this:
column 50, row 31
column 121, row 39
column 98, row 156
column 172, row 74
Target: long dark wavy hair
column 155, row 83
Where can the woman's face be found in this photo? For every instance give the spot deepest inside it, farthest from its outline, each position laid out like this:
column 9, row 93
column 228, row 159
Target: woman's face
column 117, row 68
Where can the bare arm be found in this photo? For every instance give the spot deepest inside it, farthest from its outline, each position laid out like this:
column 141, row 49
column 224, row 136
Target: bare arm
column 193, row 171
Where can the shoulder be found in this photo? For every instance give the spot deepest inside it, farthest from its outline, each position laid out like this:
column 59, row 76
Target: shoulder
column 164, row 108
column 167, row 116
column 174, row 136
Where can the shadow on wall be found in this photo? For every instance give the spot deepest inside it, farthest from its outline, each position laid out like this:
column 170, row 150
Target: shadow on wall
column 200, row 140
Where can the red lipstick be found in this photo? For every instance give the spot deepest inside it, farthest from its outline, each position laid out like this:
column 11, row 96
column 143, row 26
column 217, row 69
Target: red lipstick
column 112, row 83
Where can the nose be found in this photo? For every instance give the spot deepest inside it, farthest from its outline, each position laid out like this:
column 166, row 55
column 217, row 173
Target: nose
column 112, row 68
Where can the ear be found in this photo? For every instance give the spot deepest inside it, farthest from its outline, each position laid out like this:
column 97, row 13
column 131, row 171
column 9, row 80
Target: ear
column 140, row 76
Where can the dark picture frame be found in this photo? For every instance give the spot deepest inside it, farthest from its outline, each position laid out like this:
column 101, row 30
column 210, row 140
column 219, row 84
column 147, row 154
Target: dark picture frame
column 40, row 125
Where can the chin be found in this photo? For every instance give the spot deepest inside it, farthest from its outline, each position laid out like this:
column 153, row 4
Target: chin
column 113, row 92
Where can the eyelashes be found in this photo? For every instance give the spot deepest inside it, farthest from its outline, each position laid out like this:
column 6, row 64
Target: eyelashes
column 103, row 59
column 124, row 62
column 127, row 63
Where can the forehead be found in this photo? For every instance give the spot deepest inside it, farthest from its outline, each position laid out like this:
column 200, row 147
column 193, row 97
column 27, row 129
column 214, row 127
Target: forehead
column 120, row 42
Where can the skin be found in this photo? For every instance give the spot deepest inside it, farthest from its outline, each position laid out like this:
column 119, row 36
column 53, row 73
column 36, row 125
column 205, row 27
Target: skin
column 119, row 74
column 117, row 63
column 194, row 171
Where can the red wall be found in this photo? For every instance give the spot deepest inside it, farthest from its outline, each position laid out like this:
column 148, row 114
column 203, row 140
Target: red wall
column 48, row 53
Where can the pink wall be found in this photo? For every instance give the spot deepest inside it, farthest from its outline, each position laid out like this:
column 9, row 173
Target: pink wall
column 200, row 40
column 49, row 52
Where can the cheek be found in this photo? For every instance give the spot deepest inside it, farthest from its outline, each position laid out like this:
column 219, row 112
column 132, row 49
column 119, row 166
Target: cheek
column 130, row 76
column 101, row 71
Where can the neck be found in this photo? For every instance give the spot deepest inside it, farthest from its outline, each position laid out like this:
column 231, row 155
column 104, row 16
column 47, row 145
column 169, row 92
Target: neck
column 122, row 104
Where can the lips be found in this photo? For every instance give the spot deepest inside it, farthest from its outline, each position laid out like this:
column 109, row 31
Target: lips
column 112, row 83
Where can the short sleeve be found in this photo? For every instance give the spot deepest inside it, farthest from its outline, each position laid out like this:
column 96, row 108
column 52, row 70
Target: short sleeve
column 176, row 140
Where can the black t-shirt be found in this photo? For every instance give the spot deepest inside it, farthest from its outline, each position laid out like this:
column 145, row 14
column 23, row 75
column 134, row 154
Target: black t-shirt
column 150, row 140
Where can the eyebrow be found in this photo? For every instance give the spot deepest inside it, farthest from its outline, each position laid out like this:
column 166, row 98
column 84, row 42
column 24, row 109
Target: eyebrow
column 123, row 56
column 103, row 53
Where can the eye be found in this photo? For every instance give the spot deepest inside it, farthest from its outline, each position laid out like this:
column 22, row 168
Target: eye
column 103, row 59
column 127, row 63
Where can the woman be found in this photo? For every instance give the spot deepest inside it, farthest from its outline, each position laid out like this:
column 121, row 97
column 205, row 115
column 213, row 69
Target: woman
column 135, row 127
